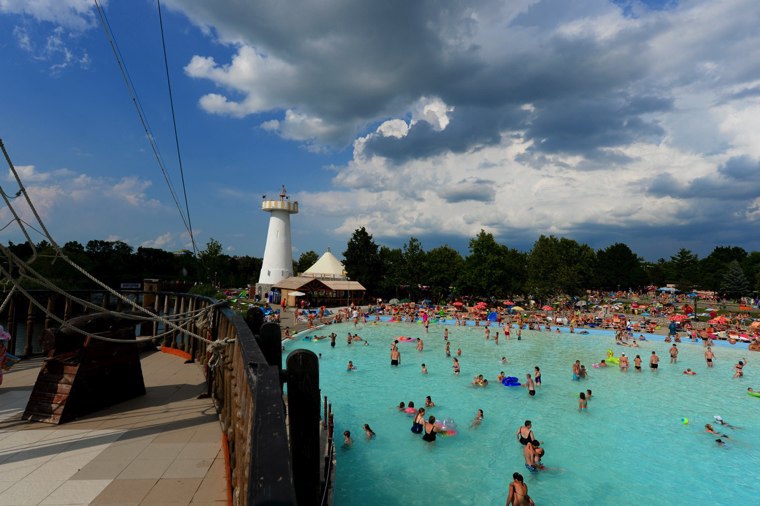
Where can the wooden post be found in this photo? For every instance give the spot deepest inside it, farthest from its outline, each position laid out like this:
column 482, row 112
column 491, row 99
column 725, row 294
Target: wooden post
column 11, row 324
column 167, row 337
column 155, row 310
column 181, row 335
column 29, row 330
column 303, row 404
column 175, row 333
column 270, row 342
column 50, row 309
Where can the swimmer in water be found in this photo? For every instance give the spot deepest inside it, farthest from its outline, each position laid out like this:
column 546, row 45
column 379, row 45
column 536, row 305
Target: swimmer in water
column 518, row 492
column 351, row 366
column 429, row 402
column 689, row 372
column 724, row 423
column 501, row 377
column 537, row 376
column 401, row 406
column 424, row 369
column 739, row 368
column 710, row 430
column 582, row 402
column 455, row 366
column 478, row 418
column 504, row 360
column 419, row 421
column 347, row 438
column 369, row 432
column 530, row 385
column 588, row 394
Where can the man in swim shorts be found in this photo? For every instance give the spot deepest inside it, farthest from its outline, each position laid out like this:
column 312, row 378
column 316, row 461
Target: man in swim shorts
column 577, row 370
column 709, row 356
column 637, row 363
column 673, row 354
column 531, row 385
column 395, row 356
column 654, row 360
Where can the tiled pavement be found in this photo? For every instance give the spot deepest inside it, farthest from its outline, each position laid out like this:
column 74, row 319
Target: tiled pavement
column 163, row 448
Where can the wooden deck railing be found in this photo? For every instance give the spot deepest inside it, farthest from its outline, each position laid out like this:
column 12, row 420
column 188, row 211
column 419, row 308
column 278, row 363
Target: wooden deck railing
column 245, row 378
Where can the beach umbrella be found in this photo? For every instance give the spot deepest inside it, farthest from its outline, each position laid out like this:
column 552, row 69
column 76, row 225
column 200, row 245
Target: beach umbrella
column 517, row 308
column 457, row 304
column 678, row 318
column 720, row 320
column 508, row 303
column 393, row 302
column 547, row 308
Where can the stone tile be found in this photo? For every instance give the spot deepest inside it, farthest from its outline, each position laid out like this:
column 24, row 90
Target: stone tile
column 162, row 450
column 208, row 433
column 24, row 493
column 214, row 485
column 124, row 492
column 76, row 492
column 172, row 491
column 188, row 468
column 17, row 471
column 176, row 436
column 53, row 470
column 146, row 468
column 200, row 451
column 101, row 469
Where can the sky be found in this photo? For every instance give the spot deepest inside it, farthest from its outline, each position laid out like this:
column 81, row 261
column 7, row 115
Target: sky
column 600, row 121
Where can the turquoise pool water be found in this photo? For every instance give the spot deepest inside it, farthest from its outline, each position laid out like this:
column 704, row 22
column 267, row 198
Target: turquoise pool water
column 630, row 448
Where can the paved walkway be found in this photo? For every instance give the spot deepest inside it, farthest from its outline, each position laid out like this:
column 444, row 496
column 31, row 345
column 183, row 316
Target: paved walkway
column 163, row 448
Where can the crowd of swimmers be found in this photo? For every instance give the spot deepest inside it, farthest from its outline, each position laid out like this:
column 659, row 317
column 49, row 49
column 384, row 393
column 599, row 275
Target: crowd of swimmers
column 428, row 426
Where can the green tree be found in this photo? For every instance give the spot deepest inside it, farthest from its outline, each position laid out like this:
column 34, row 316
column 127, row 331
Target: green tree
column 559, row 266
column 444, row 265
column 491, row 269
column 392, row 263
column 306, row 260
column 618, row 267
column 362, row 261
column 683, row 269
column 415, row 266
column 734, row 284
column 713, row 266
column 213, row 263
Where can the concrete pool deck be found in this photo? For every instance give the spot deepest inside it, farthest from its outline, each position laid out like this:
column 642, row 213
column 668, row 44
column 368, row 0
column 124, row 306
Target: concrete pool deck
column 161, row 448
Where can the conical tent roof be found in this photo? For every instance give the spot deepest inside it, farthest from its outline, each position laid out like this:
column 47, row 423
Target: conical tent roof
column 326, row 267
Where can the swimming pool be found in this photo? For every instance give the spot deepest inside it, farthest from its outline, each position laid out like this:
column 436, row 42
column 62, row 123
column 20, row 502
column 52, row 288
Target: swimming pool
column 630, row 448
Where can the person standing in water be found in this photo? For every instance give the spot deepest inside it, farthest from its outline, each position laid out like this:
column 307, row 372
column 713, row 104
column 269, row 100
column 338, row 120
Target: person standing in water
column 420, row 344
column 709, row 356
column 674, row 354
column 582, row 402
column 429, row 430
column 395, row 356
column 518, row 492
column 537, row 376
column 654, row 360
column 419, row 421
column 531, row 386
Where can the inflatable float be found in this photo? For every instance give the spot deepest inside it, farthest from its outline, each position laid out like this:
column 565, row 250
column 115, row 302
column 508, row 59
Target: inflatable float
column 510, row 381
column 446, row 428
column 406, row 339
column 611, row 358
column 754, row 394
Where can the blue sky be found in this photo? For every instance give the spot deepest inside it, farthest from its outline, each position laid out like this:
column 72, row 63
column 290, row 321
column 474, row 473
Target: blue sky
column 599, row 121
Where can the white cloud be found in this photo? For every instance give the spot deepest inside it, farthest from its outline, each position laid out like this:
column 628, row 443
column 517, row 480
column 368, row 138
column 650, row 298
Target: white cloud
column 163, row 241
column 71, row 14
column 432, row 110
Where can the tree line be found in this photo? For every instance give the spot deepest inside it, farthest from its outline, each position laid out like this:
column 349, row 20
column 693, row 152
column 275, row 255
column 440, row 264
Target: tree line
column 553, row 266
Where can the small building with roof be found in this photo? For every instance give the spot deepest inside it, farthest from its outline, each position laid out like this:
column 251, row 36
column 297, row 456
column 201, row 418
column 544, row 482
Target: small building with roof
column 323, row 284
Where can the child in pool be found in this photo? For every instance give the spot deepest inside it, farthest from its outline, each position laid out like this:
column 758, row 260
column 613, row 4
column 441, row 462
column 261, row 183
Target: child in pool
column 478, row 418
column 351, row 366
column 429, row 402
column 424, row 369
column 347, row 438
column 582, row 402
column 369, row 432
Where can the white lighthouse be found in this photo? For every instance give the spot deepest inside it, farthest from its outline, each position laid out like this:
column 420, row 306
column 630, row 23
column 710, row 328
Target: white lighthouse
column 278, row 254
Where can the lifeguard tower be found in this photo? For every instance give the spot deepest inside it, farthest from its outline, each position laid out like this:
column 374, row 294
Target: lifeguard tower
column 278, row 254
